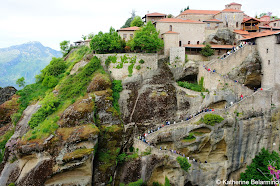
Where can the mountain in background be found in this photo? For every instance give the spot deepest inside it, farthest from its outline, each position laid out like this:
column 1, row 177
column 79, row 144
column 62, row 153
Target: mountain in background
column 26, row 60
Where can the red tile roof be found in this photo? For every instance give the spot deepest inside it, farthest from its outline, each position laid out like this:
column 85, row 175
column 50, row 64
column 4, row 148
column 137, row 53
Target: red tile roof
column 275, row 20
column 247, row 19
column 129, row 28
column 265, row 16
column 213, row 20
column 259, row 34
column 212, row 46
column 231, row 10
column 155, row 14
column 234, row 3
column 177, row 20
column 241, row 32
column 171, row 32
column 212, row 12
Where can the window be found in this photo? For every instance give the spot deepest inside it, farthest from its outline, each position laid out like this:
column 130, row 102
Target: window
column 170, row 27
column 274, row 24
column 267, row 50
column 124, row 36
column 180, row 43
column 208, row 24
column 227, row 24
column 236, row 24
column 131, row 36
column 197, row 42
column 189, row 42
column 217, row 25
column 268, row 62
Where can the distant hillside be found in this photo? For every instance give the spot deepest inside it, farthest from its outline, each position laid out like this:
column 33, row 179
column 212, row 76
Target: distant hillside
column 25, row 60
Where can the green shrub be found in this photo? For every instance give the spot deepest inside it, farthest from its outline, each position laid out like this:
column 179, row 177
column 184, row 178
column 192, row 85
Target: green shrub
column 56, row 67
column 138, row 67
column 141, row 61
column 117, row 88
column 167, row 182
column 30, row 93
column 110, row 42
column 49, row 106
column 258, row 169
column 12, row 184
column 186, row 58
column 193, row 86
column 3, row 140
column 212, row 119
column 184, row 164
column 130, row 69
column 190, row 136
column 15, row 118
column 137, row 183
column 80, row 80
column 50, row 81
column 78, row 55
column 207, row 51
column 156, row 184
column 110, row 59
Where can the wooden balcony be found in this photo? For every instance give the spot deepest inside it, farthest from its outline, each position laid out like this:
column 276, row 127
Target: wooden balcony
column 249, row 28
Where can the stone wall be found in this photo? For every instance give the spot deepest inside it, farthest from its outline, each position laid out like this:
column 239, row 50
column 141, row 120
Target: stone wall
column 192, row 32
column 177, row 55
column 171, row 40
column 224, row 66
column 214, row 81
column 150, row 63
column 232, row 18
column 196, row 17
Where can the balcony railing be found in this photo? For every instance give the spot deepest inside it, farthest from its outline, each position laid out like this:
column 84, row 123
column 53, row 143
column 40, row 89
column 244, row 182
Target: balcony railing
column 251, row 27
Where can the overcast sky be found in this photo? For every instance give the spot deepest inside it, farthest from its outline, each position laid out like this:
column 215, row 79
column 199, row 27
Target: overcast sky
column 52, row 21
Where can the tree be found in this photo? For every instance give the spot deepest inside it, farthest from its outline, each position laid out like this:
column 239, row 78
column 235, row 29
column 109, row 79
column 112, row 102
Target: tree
column 184, row 163
column 65, row 46
column 170, row 16
column 84, row 37
column 147, row 39
column 90, row 36
column 107, row 42
column 207, row 51
column 137, row 21
column 258, row 169
column 129, row 20
column 20, row 82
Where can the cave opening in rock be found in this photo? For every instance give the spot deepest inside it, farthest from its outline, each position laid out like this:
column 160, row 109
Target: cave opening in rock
column 189, row 78
column 218, row 105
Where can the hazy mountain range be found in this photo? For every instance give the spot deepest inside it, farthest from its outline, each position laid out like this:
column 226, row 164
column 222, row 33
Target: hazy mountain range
column 25, row 60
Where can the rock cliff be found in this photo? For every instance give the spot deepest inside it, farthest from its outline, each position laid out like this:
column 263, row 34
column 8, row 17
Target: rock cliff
column 92, row 121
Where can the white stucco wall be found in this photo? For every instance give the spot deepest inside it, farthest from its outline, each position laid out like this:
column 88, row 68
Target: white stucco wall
column 192, row 32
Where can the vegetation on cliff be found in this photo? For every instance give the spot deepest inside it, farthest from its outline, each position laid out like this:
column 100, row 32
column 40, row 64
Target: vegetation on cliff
column 212, row 119
column 184, row 164
column 258, row 169
column 193, row 86
column 109, row 42
column 146, row 40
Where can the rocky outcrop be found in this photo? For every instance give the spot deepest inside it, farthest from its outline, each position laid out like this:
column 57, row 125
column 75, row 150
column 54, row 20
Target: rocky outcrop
column 69, row 155
column 222, row 37
column 249, row 72
column 6, row 93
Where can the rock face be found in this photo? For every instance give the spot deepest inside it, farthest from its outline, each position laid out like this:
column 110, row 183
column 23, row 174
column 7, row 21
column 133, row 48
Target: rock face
column 222, row 37
column 249, row 72
column 70, row 154
column 6, row 93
